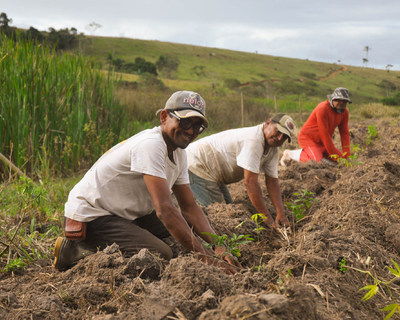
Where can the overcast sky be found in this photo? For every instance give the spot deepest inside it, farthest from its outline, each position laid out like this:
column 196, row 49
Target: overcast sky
column 317, row 30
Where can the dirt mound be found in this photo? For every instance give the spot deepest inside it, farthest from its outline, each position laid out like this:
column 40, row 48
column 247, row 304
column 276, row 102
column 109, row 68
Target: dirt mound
column 354, row 220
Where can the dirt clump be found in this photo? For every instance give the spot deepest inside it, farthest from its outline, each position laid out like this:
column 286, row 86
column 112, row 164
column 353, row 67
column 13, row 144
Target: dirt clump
column 353, row 222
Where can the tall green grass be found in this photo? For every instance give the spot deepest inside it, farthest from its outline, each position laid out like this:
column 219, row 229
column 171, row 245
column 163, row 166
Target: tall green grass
column 58, row 112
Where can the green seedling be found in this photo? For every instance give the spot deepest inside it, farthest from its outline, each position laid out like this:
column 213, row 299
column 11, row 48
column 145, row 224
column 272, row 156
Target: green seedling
column 297, row 209
column 15, row 265
column 372, row 133
column 283, row 279
column 300, row 205
column 342, row 266
column 349, row 161
column 261, row 267
column 355, row 149
column 304, row 197
column 231, row 244
column 257, row 218
column 374, row 288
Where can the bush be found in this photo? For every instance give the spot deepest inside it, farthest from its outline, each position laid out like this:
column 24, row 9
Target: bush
column 392, row 101
column 385, row 84
column 167, row 65
column 143, row 66
column 150, row 80
column 232, row 83
column 62, row 39
column 139, row 66
column 199, row 70
column 309, row 75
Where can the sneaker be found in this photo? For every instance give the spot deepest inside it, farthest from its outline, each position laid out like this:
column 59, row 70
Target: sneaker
column 67, row 253
column 63, row 250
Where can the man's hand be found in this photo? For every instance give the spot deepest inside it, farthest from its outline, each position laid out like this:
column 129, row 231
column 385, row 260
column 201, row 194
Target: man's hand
column 281, row 220
column 226, row 267
column 221, row 252
column 270, row 221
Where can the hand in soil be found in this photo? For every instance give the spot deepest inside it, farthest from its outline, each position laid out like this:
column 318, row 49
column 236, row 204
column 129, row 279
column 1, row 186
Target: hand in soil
column 221, row 252
column 281, row 221
column 270, row 223
column 228, row 268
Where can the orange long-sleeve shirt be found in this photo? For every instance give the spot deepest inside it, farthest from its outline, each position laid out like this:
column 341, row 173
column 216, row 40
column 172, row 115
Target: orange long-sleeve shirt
column 319, row 128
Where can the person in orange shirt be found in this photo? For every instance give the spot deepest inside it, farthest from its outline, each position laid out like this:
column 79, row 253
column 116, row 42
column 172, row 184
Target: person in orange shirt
column 315, row 138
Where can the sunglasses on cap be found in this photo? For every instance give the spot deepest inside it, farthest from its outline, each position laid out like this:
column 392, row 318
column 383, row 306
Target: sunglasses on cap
column 186, row 124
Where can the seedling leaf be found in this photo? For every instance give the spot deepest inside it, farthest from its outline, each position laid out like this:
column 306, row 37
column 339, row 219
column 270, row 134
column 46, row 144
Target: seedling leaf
column 396, row 265
column 373, row 289
column 392, row 308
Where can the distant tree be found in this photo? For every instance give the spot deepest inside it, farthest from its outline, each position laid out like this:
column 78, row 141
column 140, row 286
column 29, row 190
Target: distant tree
column 4, row 24
column 140, row 66
column 167, row 65
column 35, row 34
column 63, row 39
column 232, row 83
column 110, row 58
column 388, row 86
column 92, row 27
column 393, row 100
column 118, row 63
column 150, row 80
column 388, row 67
column 4, row 20
column 365, row 61
column 143, row 66
column 367, row 49
column 81, row 41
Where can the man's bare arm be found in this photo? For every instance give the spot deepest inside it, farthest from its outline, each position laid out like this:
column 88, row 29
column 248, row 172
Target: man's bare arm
column 274, row 191
column 255, row 194
column 192, row 212
column 197, row 219
column 177, row 226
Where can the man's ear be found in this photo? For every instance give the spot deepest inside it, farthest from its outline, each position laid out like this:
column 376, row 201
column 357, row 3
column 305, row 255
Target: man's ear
column 164, row 116
column 268, row 121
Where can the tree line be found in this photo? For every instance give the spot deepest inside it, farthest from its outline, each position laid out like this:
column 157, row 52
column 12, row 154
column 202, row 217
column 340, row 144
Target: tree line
column 62, row 39
column 166, row 64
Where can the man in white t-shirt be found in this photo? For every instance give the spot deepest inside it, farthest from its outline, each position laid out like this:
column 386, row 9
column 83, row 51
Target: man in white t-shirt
column 125, row 197
column 230, row 156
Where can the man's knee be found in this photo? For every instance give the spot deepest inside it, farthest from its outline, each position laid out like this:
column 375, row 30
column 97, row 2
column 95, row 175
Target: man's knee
column 166, row 252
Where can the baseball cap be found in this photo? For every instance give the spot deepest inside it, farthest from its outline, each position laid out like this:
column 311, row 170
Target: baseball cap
column 186, row 104
column 285, row 124
column 340, row 94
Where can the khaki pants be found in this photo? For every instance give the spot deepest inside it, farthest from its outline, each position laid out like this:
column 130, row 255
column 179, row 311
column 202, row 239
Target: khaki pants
column 131, row 236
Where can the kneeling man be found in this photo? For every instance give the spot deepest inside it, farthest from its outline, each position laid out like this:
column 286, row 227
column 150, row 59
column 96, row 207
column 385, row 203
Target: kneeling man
column 233, row 155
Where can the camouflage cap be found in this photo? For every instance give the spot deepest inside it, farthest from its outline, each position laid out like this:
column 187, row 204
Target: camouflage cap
column 285, row 124
column 340, row 94
column 186, row 104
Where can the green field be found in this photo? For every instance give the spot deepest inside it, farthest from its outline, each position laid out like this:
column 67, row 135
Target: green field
column 280, row 76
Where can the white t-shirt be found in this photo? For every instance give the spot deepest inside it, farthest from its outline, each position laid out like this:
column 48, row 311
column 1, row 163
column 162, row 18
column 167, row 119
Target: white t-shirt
column 222, row 157
column 115, row 184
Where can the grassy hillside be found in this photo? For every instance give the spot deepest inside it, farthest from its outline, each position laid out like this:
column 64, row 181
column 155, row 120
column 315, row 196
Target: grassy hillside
column 280, row 76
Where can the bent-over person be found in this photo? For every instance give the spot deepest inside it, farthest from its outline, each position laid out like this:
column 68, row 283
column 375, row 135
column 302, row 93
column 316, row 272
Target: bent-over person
column 125, row 198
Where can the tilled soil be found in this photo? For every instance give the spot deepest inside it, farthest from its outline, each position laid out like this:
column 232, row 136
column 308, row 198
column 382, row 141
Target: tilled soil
column 355, row 218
